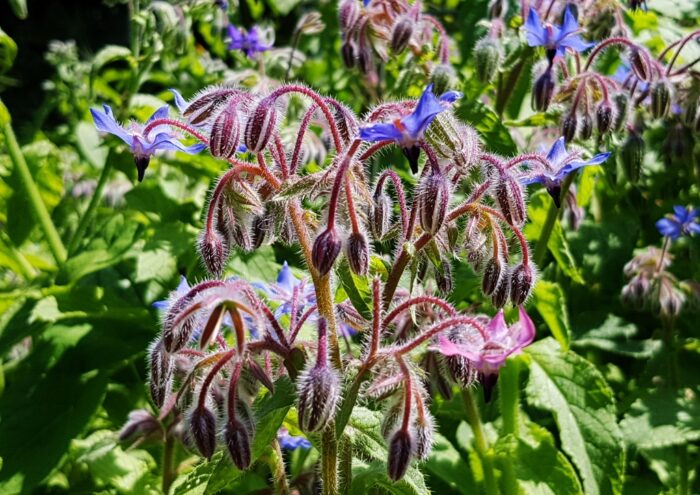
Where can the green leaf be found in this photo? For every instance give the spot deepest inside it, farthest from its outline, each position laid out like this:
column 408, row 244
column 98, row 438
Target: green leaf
column 19, row 7
column 612, row 334
column 259, row 265
column 662, row 418
column 348, row 403
column 550, row 302
column 88, row 142
column 446, row 463
column 8, row 52
column 357, row 288
column 582, row 403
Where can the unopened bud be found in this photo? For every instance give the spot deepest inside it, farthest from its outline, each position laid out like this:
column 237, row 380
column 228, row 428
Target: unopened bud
column 632, row 156
column 262, row 225
column 487, row 59
column 364, row 59
column 175, row 337
column 542, row 91
column 499, row 298
column 203, row 430
column 392, row 419
column 433, row 200
column 660, row 94
column 357, row 252
column 318, row 396
column 509, row 197
column 401, row 450
column 424, row 433
column 497, row 8
column 214, row 251
column 401, row 34
column 569, row 124
column 522, row 279
column 141, row 424
column 380, row 215
column 204, row 106
column 347, row 50
column 160, row 372
column 621, row 101
column 260, row 125
column 237, row 440
column 443, row 78
column 585, row 129
column 348, row 14
column 604, row 117
column 639, row 64
column 225, row 133
column 443, row 277
column 325, row 251
column 493, row 273
column 452, row 235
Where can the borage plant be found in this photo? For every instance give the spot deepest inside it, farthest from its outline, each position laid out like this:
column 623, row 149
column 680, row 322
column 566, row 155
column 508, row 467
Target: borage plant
column 223, row 337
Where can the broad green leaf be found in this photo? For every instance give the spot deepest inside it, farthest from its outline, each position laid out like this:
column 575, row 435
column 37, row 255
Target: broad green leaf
column 446, row 463
column 8, row 52
column 612, row 334
column 357, row 288
column 88, row 142
column 662, row 418
column 583, row 406
column 367, row 478
column 550, row 302
column 259, row 266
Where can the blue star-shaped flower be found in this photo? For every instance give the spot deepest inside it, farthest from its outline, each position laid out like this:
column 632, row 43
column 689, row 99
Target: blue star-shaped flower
column 681, row 222
column 249, row 42
column 408, row 131
column 290, row 442
column 143, row 147
column 563, row 164
column 555, row 39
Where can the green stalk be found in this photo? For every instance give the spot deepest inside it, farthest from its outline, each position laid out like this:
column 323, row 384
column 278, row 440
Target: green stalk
column 26, row 269
column 279, row 475
column 30, row 188
column 168, row 468
column 329, row 461
column 480, row 443
column 509, row 393
column 552, row 215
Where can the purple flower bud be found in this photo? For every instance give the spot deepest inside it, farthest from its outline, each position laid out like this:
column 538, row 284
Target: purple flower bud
column 542, row 91
column 260, row 125
column 177, row 337
column 346, row 121
column 632, row 156
column 660, row 93
column 604, row 116
column 326, row 250
column 204, row 106
column 348, row 14
column 319, row 390
column 161, row 369
column 225, row 133
column 203, row 430
column 380, row 215
column 364, row 59
column 140, row 425
column 262, row 225
column 497, row 8
column 499, row 298
column 522, row 279
column 347, row 50
column 452, row 235
column 433, row 200
column 401, row 450
column 424, row 432
column 487, row 59
column 443, row 277
column 509, row 197
column 639, row 64
column 585, row 129
column 621, row 103
column 237, row 440
column 401, row 34
column 569, row 124
column 493, row 273
column 357, row 252
column 214, row 251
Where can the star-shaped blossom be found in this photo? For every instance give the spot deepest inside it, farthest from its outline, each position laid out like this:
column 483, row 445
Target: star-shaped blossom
column 488, row 352
column 408, row 131
column 555, row 39
column 291, row 442
column 283, row 292
column 563, row 163
column 248, row 42
column 681, row 222
column 161, row 137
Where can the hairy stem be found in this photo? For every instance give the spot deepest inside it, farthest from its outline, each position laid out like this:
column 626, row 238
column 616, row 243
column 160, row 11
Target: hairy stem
column 480, row 443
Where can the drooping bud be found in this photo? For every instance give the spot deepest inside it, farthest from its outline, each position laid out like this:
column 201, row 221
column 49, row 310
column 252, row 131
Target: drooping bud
column 348, row 14
column 347, row 50
column 509, row 196
column 357, row 252
column 204, row 106
column 203, row 430
column 443, row 276
column 452, row 235
column 260, row 125
column 443, row 78
column 318, row 396
column 140, row 425
column 660, row 93
column 522, row 279
column 325, row 251
column 569, row 124
column 487, row 59
column 585, row 129
column 497, row 8
column 364, row 58
column 499, row 298
column 237, row 440
column 176, row 337
column 345, row 120
column 401, row 450
column 632, row 156
column 225, row 133
column 401, row 34
column 392, row 419
column 380, row 215
column 160, row 372
column 621, row 104
column 604, row 117
column 639, row 64
column 433, row 200
column 542, row 91
column 214, row 251
column 424, row 432
column 262, row 225
column 493, row 273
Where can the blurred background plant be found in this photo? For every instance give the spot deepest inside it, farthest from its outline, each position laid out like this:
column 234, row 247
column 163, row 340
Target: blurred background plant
column 609, row 403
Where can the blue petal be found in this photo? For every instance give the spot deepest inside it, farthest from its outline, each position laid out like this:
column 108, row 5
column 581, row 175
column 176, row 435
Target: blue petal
column 180, row 102
column 599, row 158
column 681, row 213
column 668, row 228
column 571, row 167
column 286, row 279
column 380, row 132
column 558, row 151
column 694, row 227
column 570, row 26
column 576, row 43
column 161, row 113
column 536, row 179
column 183, row 286
column 427, row 109
column 536, row 33
column 167, row 142
column 161, row 305
column 451, row 96
column 105, row 122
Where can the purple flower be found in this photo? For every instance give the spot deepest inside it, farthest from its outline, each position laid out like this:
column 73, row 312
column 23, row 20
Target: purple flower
column 563, row 164
column 290, row 442
column 249, row 42
column 681, row 222
column 143, row 147
column 488, row 353
column 408, row 131
column 555, row 39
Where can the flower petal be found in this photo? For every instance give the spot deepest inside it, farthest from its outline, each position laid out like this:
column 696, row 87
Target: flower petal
column 451, row 96
column 380, row 132
column 525, row 329
column 180, row 102
column 427, row 109
column 557, row 152
column 536, row 34
column 449, row 348
column 105, row 122
column 497, row 327
column 669, row 228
